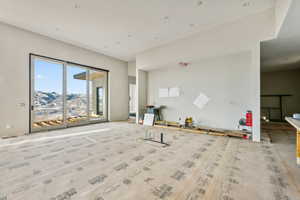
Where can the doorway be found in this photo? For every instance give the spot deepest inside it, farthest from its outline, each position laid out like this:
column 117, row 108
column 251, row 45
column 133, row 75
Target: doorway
column 132, row 100
column 65, row 94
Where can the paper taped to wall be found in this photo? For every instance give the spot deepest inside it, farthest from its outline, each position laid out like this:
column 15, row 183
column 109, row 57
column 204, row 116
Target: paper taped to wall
column 148, row 119
column 201, row 101
column 163, row 92
column 174, row 92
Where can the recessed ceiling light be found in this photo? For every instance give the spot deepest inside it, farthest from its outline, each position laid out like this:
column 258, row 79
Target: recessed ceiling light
column 246, row 4
column 199, row 3
column 166, row 19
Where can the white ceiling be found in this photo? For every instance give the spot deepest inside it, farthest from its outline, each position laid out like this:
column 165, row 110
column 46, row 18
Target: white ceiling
column 123, row 28
column 283, row 53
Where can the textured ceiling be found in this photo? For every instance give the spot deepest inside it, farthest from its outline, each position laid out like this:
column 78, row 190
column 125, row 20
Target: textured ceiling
column 283, row 53
column 123, row 28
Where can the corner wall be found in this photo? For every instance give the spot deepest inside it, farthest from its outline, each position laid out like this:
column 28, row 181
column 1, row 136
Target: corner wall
column 254, row 93
column 234, row 38
column 16, row 45
column 227, row 80
column 132, row 68
column 281, row 10
column 142, row 93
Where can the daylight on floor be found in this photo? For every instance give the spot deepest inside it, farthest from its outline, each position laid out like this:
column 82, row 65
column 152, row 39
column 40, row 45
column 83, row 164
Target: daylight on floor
column 150, row 100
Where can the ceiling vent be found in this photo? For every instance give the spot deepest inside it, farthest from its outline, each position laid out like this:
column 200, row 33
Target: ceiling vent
column 184, row 64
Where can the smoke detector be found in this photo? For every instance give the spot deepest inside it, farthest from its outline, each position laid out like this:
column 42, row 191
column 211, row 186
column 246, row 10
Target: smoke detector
column 199, row 3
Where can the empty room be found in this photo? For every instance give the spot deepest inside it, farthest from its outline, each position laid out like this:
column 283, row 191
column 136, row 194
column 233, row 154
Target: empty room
column 154, row 100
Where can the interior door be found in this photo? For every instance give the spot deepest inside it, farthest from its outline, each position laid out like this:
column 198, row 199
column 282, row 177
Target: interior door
column 47, row 94
column 132, row 99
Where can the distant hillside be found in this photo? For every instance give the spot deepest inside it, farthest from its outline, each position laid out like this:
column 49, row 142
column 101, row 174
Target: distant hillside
column 54, row 99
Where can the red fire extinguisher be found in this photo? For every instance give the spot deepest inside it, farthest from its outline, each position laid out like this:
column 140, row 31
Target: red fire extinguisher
column 249, row 118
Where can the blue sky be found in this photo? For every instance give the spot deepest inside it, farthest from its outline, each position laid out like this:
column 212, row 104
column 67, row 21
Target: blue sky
column 49, row 77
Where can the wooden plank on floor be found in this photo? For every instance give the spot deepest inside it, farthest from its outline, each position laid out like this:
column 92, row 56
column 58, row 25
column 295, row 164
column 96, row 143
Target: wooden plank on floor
column 209, row 132
column 53, row 123
column 182, row 129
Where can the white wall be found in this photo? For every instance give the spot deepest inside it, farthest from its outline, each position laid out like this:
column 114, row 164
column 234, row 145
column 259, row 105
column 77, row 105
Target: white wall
column 142, row 92
column 254, row 92
column 230, row 38
column 243, row 35
column 132, row 68
column 281, row 9
column 15, row 46
column 225, row 80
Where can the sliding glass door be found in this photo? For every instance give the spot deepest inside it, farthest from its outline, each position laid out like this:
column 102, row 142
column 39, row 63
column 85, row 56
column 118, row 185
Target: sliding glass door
column 47, row 94
column 64, row 94
column 77, row 95
column 97, row 91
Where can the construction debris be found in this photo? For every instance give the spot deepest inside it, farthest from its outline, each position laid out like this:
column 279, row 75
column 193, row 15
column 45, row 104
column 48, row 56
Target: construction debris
column 201, row 129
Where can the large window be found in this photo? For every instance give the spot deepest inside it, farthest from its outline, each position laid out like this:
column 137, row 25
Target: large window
column 64, row 94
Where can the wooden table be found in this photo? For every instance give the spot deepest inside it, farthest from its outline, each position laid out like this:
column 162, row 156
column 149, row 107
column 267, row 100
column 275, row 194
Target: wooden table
column 296, row 124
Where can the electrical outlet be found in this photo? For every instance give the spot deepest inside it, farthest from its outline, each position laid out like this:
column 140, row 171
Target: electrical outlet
column 22, row 105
